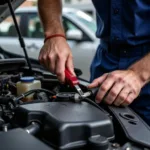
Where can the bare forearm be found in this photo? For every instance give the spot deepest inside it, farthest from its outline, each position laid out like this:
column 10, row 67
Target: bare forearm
column 51, row 16
column 142, row 68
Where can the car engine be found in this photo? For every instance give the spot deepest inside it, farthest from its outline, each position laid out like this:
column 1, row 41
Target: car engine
column 56, row 118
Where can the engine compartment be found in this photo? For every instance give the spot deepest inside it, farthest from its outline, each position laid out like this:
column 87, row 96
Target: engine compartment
column 58, row 119
column 70, row 126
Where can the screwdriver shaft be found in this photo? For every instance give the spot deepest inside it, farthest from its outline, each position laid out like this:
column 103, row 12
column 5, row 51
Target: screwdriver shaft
column 79, row 90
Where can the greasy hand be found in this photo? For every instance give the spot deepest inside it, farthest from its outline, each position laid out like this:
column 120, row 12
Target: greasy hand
column 118, row 87
column 56, row 55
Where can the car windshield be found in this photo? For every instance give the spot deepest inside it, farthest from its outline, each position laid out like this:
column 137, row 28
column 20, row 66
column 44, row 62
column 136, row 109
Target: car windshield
column 86, row 19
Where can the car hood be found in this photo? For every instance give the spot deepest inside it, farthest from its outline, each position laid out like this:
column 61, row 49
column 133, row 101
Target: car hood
column 4, row 10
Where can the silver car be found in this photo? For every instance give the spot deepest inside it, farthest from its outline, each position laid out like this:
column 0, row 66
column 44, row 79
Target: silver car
column 79, row 27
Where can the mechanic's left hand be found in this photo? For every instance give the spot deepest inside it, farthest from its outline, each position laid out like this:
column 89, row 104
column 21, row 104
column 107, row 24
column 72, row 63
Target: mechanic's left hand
column 118, row 87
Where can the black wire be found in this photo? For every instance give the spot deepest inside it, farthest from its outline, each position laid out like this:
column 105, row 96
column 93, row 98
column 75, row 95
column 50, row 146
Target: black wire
column 12, row 84
column 2, row 108
column 92, row 103
column 31, row 92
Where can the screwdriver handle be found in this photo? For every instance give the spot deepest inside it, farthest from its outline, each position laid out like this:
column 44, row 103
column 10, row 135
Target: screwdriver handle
column 70, row 78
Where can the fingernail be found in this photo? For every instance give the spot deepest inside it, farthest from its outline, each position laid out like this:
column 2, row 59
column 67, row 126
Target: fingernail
column 97, row 102
column 89, row 86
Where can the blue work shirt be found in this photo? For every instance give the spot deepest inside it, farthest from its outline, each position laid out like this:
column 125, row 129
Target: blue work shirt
column 123, row 21
column 123, row 27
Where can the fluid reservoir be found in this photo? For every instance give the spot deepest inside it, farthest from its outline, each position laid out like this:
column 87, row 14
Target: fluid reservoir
column 26, row 84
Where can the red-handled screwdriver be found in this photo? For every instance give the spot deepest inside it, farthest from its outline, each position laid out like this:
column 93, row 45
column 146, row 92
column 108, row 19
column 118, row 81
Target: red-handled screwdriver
column 72, row 81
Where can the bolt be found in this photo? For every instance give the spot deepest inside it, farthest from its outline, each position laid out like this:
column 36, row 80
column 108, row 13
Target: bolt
column 128, row 148
column 5, row 128
column 115, row 145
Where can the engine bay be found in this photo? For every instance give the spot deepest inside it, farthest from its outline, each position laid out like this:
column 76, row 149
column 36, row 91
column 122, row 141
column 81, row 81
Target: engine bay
column 57, row 118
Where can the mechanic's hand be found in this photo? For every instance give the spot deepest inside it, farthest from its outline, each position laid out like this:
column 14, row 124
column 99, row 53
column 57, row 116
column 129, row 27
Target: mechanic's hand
column 56, row 55
column 118, row 87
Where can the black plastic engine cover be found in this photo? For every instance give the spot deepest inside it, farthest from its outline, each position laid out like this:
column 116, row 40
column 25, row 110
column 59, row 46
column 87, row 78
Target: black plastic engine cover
column 18, row 139
column 66, row 125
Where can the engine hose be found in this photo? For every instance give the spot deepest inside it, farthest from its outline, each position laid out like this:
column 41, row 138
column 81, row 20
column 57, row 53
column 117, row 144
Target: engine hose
column 92, row 103
column 52, row 93
column 31, row 92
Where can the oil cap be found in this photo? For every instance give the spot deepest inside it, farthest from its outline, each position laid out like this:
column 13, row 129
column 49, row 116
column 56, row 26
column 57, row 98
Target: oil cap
column 98, row 143
column 27, row 79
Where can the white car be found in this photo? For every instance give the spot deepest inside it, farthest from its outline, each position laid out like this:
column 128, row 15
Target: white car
column 79, row 27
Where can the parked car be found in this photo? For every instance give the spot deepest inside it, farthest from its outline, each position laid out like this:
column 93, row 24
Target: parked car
column 79, row 27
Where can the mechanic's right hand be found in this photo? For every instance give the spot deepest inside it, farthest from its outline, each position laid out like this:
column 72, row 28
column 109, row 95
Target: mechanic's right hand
column 56, row 55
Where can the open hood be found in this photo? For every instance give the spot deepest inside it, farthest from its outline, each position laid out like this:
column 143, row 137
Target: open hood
column 4, row 10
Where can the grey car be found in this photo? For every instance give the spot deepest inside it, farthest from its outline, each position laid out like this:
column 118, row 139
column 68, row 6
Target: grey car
column 79, row 27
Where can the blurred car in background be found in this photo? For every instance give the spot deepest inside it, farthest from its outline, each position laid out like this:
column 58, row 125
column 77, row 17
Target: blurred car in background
column 79, row 28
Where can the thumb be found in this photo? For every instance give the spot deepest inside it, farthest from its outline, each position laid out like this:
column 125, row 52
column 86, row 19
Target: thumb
column 69, row 64
column 94, row 84
column 97, row 82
